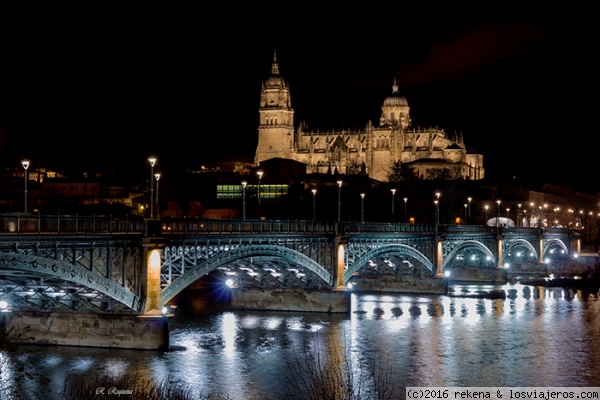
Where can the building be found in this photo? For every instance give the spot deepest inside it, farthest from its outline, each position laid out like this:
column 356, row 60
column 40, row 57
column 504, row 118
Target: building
column 375, row 151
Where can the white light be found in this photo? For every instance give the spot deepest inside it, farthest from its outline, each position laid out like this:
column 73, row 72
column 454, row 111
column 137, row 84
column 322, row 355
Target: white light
column 164, row 310
column 3, row 305
column 229, row 282
column 447, row 273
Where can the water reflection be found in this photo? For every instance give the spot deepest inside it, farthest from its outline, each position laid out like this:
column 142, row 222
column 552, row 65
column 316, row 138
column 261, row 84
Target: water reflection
column 529, row 336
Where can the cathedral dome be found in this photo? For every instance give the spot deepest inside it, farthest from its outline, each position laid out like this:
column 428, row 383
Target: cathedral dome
column 395, row 100
column 275, row 81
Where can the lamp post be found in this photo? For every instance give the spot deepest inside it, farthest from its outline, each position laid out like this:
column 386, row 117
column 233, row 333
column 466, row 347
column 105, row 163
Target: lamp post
column 314, row 193
column 244, row 183
column 519, row 219
column 260, row 174
column 507, row 215
column 405, row 200
column 157, row 176
column 152, row 161
column 437, row 211
column 25, row 164
column 498, row 215
column 339, row 214
column 466, row 205
column 437, row 216
column 393, row 201
column 487, row 207
column 469, row 216
column 362, row 207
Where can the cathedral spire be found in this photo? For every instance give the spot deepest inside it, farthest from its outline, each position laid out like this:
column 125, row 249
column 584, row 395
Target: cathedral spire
column 275, row 66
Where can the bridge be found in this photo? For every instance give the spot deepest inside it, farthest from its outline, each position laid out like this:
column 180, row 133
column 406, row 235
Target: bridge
column 103, row 281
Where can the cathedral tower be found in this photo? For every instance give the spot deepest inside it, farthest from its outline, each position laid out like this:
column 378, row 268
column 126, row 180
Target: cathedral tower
column 276, row 118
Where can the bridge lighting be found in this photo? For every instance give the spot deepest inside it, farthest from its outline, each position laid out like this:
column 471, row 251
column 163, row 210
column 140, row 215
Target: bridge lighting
column 152, row 161
column 157, row 176
column 164, row 310
column 229, row 282
column 25, row 164
column 446, row 273
column 393, row 200
column 260, row 174
column 498, row 214
column 3, row 306
column 506, row 265
column 469, row 216
column 362, row 208
column 350, row 285
column 339, row 216
column 244, row 183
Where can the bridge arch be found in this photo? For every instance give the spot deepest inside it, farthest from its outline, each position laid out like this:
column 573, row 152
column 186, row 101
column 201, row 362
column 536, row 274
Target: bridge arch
column 40, row 266
column 245, row 252
column 517, row 244
column 384, row 250
column 551, row 246
column 469, row 247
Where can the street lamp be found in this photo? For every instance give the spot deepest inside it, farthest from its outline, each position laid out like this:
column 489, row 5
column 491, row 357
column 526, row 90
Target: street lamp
column 339, row 216
column 314, row 192
column 466, row 205
column 487, row 207
column 469, row 200
column 498, row 215
column 260, row 174
column 507, row 217
column 25, row 164
column 519, row 219
column 362, row 207
column 393, row 198
column 437, row 216
column 405, row 200
column 152, row 161
column 157, row 176
column 244, row 183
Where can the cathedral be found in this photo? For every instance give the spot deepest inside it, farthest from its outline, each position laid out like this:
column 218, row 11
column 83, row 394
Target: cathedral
column 376, row 151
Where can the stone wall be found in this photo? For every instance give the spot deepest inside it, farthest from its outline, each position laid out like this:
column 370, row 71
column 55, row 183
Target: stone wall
column 146, row 332
column 400, row 284
column 303, row 300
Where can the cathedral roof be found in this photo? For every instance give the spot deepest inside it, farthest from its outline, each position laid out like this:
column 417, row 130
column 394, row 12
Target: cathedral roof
column 395, row 99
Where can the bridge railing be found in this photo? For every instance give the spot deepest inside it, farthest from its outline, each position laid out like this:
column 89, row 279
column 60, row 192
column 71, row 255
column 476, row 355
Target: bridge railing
column 173, row 226
column 36, row 223
column 376, row 227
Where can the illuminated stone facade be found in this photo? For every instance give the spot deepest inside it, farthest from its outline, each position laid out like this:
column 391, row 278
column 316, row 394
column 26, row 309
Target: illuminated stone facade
column 372, row 151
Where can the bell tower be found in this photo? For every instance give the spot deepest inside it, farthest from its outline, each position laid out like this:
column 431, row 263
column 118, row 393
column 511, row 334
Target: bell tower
column 276, row 118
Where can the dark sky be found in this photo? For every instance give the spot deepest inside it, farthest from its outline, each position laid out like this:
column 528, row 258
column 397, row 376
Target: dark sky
column 109, row 88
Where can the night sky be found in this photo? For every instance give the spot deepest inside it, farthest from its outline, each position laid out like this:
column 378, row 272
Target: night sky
column 108, row 88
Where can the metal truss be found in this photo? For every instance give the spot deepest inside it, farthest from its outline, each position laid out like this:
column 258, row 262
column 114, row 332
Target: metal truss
column 94, row 274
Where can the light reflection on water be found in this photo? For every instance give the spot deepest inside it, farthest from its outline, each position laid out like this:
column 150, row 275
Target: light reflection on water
column 534, row 337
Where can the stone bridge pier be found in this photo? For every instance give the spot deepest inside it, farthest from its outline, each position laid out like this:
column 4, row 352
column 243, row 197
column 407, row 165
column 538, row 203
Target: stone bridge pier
column 142, row 326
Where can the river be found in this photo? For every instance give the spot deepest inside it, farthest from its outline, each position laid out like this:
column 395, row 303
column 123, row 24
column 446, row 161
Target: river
column 535, row 337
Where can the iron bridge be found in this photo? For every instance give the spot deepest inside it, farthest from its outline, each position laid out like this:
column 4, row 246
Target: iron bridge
column 75, row 263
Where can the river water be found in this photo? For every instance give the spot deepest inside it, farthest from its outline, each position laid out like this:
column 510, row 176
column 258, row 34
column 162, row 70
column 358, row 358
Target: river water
column 535, row 337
